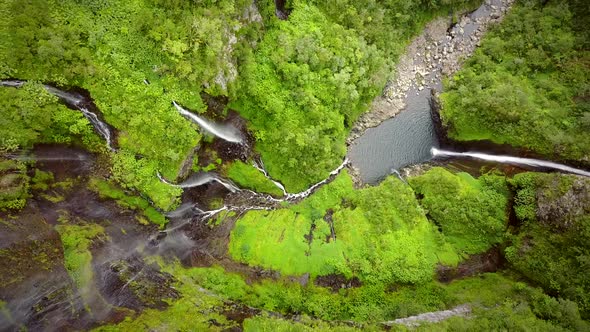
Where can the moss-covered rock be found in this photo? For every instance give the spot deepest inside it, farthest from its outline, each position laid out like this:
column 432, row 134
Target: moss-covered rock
column 35, row 286
column 14, row 185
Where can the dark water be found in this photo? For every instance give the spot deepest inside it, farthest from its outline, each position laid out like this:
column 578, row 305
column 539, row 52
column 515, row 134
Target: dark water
column 401, row 141
column 407, row 138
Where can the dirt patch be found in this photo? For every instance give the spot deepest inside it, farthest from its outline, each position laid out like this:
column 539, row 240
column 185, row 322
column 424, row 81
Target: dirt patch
column 490, row 261
column 328, row 218
column 337, row 281
column 34, row 282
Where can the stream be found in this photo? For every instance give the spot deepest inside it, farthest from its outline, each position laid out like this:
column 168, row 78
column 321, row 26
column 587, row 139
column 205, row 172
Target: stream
column 405, row 131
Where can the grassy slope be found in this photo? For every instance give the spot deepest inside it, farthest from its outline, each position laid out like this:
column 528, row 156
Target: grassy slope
column 382, row 234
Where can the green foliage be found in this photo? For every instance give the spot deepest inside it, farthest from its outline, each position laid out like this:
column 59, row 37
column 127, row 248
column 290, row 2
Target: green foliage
column 472, row 214
column 525, row 200
column 554, row 249
column 388, row 24
column 501, row 304
column 134, row 173
column 76, row 240
column 41, row 180
column 375, row 303
column 309, row 80
column 528, row 83
column 196, row 310
column 247, row 176
column 269, row 324
column 110, row 50
column 14, row 185
column 381, row 235
column 107, row 190
column 31, row 115
column 313, row 75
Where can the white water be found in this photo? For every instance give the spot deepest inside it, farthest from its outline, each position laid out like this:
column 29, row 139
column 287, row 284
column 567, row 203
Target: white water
column 224, row 132
column 77, row 101
column 307, row 192
column 510, row 160
column 399, row 176
column 74, row 99
column 276, row 183
column 187, row 210
column 199, row 180
column 12, row 83
column 43, row 158
column 100, row 126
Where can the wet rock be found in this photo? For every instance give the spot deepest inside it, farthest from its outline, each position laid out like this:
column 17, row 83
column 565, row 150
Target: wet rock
column 445, row 60
column 131, row 283
column 34, row 282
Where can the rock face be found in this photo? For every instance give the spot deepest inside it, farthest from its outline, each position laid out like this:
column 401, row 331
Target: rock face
column 562, row 201
column 34, row 283
column 439, row 51
column 431, row 317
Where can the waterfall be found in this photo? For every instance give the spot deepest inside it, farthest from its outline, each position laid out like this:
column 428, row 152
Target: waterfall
column 199, row 180
column 510, row 160
column 187, row 210
column 261, row 168
column 399, row 176
column 100, row 126
column 12, row 83
column 224, row 132
column 75, row 100
column 310, row 190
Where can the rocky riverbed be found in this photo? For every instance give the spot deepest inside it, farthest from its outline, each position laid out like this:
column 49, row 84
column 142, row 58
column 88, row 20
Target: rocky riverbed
column 439, row 51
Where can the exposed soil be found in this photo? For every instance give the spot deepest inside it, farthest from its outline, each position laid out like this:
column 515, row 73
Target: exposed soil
column 489, row 261
column 328, row 218
column 40, row 293
column 280, row 10
column 336, row 282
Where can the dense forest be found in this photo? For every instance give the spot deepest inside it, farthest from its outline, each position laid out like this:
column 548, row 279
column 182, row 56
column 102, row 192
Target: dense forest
column 527, row 85
column 172, row 228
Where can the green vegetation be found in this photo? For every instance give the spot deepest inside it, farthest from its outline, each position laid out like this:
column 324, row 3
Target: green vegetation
column 32, row 115
column 527, row 85
column 339, row 256
column 14, row 185
column 491, row 296
column 471, row 213
column 109, row 50
column 270, row 324
column 313, row 75
column 380, row 235
column 76, row 241
column 553, row 245
column 247, row 176
column 108, row 190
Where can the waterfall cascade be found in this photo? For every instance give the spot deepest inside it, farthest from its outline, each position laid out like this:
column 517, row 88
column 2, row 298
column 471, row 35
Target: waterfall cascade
column 225, row 132
column 510, row 160
column 75, row 100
